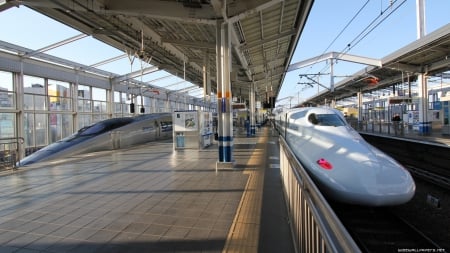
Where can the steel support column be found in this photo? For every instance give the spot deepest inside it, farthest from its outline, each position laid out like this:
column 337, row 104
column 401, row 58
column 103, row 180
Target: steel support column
column 206, row 79
column 359, row 96
column 424, row 124
column 224, row 110
column 20, row 100
column 252, row 110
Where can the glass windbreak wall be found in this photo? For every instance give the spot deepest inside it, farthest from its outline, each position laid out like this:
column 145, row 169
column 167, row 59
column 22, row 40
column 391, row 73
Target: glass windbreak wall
column 7, row 105
column 7, row 93
column 54, row 109
column 84, row 108
column 60, row 107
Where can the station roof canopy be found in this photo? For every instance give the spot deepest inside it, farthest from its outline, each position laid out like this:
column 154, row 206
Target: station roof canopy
column 175, row 35
column 429, row 55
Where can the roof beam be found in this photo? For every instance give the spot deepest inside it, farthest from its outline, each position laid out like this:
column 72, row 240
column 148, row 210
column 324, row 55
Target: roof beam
column 55, row 45
column 137, row 73
column 268, row 39
column 338, row 56
column 187, row 89
column 109, row 60
column 192, row 44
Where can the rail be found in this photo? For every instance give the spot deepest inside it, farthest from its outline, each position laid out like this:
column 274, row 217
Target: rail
column 9, row 152
column 315, row 227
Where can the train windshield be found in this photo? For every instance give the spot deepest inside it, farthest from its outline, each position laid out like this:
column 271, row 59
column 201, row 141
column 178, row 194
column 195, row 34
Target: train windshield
column 325, row 119
column 94, row 129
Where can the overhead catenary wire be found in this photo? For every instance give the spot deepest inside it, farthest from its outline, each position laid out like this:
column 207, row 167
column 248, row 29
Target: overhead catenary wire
column 366, row 31
column 342, row 31
column 369, row 29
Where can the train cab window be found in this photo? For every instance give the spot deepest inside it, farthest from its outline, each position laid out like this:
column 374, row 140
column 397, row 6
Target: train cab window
column 313, row 119
column 325, row 119
column 94, row 129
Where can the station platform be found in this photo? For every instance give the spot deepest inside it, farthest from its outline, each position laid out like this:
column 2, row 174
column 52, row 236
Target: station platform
column 149, row 198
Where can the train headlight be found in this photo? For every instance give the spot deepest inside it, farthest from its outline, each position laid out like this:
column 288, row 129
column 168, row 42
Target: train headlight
column 324, row 164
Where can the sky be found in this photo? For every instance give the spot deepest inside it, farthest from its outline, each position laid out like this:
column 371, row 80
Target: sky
column 331, row 26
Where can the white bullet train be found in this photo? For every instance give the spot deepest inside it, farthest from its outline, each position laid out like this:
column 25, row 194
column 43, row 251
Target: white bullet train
column 343, row 165
column 106, row 135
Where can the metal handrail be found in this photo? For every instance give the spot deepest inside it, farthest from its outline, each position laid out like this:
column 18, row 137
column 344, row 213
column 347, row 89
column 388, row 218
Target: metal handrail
column 315, row 227
column 9, row 150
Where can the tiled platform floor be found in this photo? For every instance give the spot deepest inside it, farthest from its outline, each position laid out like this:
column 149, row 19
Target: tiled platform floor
column 146, row 199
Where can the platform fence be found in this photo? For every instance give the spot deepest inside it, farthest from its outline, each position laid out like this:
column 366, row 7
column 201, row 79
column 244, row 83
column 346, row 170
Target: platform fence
column 315, row 227
column 399, row 129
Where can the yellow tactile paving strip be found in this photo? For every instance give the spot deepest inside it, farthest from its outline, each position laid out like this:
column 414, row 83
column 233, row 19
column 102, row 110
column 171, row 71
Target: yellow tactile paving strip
column 244, row 232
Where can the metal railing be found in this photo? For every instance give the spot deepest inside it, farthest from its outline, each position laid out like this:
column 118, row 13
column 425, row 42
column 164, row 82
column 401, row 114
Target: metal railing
column 315, row 227
column 9, row 152
column 401, row 129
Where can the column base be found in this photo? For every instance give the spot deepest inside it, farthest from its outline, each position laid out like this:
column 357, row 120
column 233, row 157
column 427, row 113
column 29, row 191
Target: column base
column 424, row 128
column 224, row 165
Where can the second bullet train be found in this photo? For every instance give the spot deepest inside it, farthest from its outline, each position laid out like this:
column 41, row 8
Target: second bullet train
column 343, row 165
column 106, row 135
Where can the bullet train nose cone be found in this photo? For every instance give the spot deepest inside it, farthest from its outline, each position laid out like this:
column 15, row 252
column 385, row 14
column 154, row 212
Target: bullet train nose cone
column 343, row 165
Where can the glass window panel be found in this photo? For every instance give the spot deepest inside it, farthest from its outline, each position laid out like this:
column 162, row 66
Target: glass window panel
column 34, row 85
column 67, row 123
column 80, row 105
column 41, row 129
column 84, row 105
column 117, row 97
column 55, row 127
column 54, row 103
column 40, row 102
column 125, row 108
column 98, row 117
column 60, row 103
column 98, row 94
column 58, row 88
column 6, row 81
column 124, row 98
column 87, row 105
column 29, row 129
column 28, row 102
column 84, row 120
column 117, row 107
column 66, row 104
column 6, row 99
column 138, row 101
column 99, row 106
column 7, row 125
column 84, row 92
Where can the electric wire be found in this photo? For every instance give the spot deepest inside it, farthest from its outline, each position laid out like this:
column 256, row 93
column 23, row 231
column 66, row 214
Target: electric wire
column 346, row 26
column 340, row 33
column 366, row 31
column 353, row 43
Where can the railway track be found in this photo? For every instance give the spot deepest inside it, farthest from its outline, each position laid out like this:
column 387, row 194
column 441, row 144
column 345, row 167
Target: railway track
column 379, row 230
column 416, row 154
column 442, row 181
